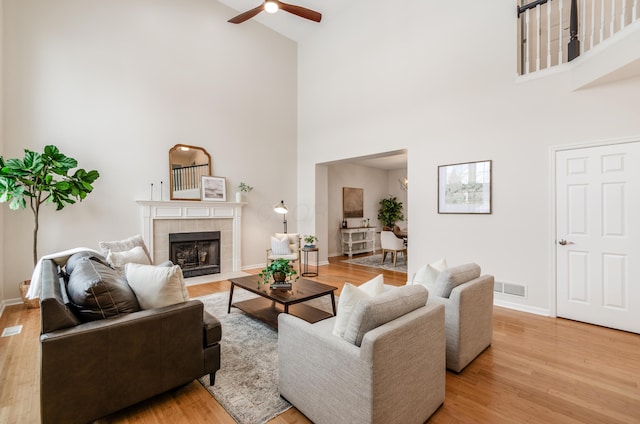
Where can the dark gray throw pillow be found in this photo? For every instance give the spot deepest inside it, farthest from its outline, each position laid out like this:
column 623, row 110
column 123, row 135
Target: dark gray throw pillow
column 79, row 257
column 97, row 291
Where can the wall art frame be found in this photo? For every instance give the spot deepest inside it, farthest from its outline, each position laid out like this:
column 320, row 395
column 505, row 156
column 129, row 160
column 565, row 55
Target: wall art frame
column 214, row 189
column 352, row 202
column 465, row 188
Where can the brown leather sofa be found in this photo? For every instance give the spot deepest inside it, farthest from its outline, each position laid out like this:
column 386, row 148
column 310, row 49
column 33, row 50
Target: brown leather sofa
column 92, row 368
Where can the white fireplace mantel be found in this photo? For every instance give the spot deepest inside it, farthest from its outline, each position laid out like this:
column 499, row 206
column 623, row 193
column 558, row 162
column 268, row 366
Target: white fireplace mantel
column 153, row 210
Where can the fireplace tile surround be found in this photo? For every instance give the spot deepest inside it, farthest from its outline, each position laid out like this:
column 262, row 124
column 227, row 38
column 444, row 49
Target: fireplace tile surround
column 159, row 218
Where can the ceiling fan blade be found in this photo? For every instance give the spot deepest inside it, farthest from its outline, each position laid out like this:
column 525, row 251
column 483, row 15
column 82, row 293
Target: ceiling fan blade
column 303, row 12
column 246, row 15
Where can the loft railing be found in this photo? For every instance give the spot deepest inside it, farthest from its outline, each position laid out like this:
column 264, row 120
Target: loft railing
column 552, row 32
column 188, row 177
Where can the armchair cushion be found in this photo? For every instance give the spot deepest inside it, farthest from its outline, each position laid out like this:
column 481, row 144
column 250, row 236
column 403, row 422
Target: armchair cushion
column 350, row 296
column 156, row 286
column 453, row 277
column 374, row 312
column 97, row 292
column 280, row 245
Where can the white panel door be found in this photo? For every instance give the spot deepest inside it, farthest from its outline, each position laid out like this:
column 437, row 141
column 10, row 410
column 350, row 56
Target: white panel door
column 598, row 235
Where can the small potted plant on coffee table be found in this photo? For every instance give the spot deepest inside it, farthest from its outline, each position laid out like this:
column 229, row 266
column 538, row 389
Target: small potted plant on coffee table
column 282, row 273
column 309, row 241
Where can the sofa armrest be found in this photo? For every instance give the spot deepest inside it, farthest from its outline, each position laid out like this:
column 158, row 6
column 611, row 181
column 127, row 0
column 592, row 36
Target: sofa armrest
column 474, row 301
column 90, row 369
column 408, row 356
column 212, row 329
column 469, row 321
column 318, row 338
column 401, row 363
column 314, row 363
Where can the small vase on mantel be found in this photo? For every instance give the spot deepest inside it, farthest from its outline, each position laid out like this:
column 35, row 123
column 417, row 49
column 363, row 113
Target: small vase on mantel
column 238, row 196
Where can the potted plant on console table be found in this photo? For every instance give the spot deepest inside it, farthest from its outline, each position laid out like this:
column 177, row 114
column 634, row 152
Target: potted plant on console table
column 282, row 273
column 390, row 212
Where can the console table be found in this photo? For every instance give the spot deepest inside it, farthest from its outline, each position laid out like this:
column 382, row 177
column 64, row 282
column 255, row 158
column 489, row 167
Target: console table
column 358, row 240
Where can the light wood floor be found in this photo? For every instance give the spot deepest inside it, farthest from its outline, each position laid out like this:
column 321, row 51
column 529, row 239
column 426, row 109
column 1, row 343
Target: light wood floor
column 538, row 370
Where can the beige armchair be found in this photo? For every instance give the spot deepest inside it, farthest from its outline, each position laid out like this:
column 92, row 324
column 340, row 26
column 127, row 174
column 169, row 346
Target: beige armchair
column 285, row 246
column 392, row 373
column 392, row 244
column 468, row 300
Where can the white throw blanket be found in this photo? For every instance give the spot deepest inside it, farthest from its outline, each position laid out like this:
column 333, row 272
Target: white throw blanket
column 59, row 258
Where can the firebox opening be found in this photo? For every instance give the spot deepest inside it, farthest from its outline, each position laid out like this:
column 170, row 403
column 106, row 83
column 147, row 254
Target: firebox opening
column 196, row 253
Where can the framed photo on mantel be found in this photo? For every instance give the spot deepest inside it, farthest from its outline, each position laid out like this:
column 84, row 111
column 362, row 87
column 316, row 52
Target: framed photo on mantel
column 465, row 188
column 214, row 189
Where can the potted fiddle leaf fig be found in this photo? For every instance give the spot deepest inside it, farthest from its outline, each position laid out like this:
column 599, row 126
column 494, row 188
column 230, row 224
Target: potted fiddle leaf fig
column 390, row 212
column 41, row 179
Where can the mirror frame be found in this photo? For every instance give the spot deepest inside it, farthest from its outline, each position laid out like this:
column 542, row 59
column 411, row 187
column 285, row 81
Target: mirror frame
column 199, row 183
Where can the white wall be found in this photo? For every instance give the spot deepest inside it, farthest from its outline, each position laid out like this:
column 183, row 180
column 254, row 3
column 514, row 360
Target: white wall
column 116, row 84
column 2, row 237
column 374, row 184
column 394, row 189
column 439, row 79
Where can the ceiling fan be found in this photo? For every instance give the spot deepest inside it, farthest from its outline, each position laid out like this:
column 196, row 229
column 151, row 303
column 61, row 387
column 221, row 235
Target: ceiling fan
column 272, row 6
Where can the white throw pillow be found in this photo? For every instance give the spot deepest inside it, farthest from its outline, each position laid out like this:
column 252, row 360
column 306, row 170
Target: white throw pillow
column 280, row 245
column 136, row 255
column 156, row 286
column 122, row 245
column 428, row 274
column 350, row 296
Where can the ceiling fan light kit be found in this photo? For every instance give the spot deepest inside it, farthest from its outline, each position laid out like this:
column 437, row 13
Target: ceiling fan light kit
column 272, row 6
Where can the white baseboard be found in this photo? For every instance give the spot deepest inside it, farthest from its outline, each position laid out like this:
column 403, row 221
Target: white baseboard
column 255, row 266
column 212, row 278
column 261, row 265
column 522, row 308
column 9, row 302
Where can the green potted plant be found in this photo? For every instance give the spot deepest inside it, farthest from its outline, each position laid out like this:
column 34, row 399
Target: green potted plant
column 40, row 179
column 281, row 271
column 309, row 241
column 242, row 188
column 390, row 212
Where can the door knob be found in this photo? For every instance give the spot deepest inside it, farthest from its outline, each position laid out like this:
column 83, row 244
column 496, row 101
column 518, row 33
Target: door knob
column 562, row 242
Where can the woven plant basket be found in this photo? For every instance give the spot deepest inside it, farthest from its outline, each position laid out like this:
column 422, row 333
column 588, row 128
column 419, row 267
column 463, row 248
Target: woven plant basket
column 29, row 303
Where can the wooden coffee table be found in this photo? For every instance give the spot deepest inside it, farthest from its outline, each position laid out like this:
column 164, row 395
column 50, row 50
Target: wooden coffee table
column 273, row 302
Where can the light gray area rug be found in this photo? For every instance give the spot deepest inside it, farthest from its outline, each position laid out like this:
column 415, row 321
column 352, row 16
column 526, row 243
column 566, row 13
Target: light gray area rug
column 375, row 261
column 247, row 382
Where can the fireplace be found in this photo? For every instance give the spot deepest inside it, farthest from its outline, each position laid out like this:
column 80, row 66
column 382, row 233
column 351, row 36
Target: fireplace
column 196, row 253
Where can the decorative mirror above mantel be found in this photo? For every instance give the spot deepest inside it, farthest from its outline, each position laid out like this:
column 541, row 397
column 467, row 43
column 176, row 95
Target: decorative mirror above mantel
column 187, row 166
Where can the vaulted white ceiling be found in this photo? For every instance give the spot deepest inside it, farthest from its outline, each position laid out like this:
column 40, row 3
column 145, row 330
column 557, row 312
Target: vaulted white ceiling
column 291, row 26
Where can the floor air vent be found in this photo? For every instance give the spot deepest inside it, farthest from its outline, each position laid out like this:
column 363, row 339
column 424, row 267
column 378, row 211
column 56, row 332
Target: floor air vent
column 510, row 288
